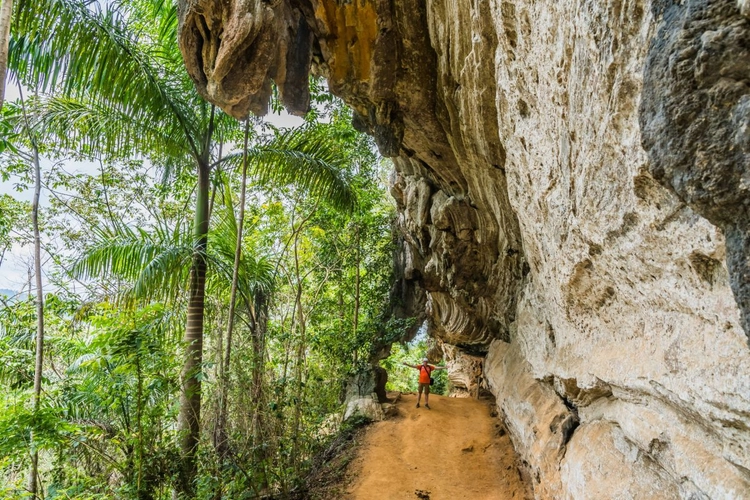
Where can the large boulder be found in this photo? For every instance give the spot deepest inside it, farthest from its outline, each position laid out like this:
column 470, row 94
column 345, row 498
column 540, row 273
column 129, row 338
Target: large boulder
column 365, row 393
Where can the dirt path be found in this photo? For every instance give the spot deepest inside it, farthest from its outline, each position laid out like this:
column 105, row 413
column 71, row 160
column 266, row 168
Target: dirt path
column 455, row 450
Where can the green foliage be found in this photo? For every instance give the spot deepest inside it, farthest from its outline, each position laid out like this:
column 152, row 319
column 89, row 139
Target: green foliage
column 17, row 327
column 12, row 212
column 111, row 384
column 9, row 136
column 314, row 277
column 405, row 379
column 114, row 94
column 306, row 157
column 17, row 421
column 154, row 262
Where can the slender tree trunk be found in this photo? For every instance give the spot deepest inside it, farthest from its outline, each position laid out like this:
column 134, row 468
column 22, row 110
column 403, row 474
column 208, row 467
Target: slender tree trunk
column 219, row 359
column 219, row 354
column 220, row 337
column 257, row 393
column 219, row 348
column 237, row 257
column 216, row 183
column 281, row 421
column 190, row 395
column 112, row 219
column 6, row 9
column 221, row 444
column 259, row 341
column 356, row 289
column 139, row 425
column 36, row 398
column 39, row 315
column 299, row 368
column 285, row 371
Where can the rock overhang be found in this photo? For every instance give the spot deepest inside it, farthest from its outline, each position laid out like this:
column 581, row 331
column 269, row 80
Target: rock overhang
column 534, row 223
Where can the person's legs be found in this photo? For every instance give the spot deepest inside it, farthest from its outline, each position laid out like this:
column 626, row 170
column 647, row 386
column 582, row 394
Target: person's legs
column 419, row 397
column 427, row 395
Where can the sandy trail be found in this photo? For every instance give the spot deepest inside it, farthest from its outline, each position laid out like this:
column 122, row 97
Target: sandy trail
column 453, row 451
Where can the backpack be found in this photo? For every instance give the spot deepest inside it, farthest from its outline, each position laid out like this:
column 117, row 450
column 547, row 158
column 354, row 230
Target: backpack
column 429, row 372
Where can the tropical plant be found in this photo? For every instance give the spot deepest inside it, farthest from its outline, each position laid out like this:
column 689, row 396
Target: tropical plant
column 148, row 106
column 272, row 246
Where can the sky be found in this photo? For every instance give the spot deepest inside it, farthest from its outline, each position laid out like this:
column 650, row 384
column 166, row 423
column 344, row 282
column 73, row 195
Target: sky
column 14, row 269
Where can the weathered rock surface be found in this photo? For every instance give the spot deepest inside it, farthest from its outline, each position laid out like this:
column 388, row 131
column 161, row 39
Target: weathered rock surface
column 695, row 117
column 465, row 371
column 233, row 50
column 590, row 271
column 365, row 393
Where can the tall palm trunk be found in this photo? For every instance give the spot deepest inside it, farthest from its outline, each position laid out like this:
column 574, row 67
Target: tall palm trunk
column 6, row 9
column 190, row 395
column 189, row 418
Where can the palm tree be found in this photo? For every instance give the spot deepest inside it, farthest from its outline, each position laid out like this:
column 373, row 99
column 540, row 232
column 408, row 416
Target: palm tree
column 156, row 263
column 121, row 90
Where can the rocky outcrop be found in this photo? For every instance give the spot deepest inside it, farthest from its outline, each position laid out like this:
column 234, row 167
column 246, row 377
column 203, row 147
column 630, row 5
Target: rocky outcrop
column 571, row 178
column 379, row 56
column 465, row 371
column 233, row 50
column 365, row 393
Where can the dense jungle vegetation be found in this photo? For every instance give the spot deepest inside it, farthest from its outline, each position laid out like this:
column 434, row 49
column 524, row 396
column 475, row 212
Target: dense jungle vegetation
column 199, row 289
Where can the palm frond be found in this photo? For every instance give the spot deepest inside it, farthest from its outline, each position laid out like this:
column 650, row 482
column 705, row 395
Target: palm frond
column 84, row 50
column 256, row 273
column 88, row 127
column 306, row 157
column 260, row 272
column 152, row 265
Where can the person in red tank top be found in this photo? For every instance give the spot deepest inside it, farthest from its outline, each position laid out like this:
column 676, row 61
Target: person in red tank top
column 425, row 369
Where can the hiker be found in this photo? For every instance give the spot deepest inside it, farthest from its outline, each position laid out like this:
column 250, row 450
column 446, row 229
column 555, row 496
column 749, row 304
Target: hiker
column 424, row 380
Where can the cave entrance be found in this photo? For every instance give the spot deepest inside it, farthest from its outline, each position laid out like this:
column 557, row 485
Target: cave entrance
column 402, row 378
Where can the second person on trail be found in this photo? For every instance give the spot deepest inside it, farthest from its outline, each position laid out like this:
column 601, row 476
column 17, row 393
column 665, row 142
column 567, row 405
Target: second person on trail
column 425, row 369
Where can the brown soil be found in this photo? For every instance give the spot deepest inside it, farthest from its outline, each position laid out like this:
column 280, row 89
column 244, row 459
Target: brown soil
column 455, row 450
column 330, row 475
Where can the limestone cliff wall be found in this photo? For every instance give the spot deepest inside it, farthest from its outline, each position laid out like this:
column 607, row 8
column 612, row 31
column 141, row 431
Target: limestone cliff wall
column 549, row 211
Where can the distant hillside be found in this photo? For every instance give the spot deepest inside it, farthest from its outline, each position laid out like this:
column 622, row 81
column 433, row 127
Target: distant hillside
column 7, row 292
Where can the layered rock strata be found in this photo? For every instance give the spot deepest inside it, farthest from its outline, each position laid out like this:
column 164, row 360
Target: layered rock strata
column 571, row 178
